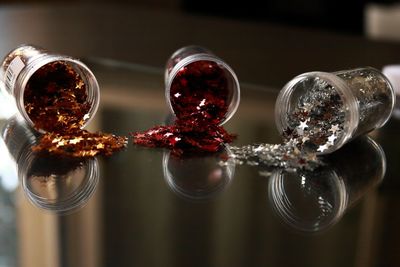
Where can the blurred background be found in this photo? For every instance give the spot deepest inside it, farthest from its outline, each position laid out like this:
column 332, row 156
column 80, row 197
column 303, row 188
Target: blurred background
column 266, row 43
column 354, row 17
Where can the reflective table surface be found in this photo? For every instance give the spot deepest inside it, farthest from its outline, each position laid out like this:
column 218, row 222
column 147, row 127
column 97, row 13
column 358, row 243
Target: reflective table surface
column 144, row 207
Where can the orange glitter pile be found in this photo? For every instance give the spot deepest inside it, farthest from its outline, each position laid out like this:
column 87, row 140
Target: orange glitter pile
column 80, row 144
column 55, row 99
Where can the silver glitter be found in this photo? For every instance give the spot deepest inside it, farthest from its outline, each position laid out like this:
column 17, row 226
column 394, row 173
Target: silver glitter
column 334, row 128
column 322, row 148
column 282, row 156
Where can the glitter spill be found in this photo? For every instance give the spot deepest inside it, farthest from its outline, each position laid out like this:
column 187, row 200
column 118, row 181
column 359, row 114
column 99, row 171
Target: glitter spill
column 184, row 136
column 80, row 144
column 200, row 96
column 56, row 101
column 201, row 90
column 283, row 156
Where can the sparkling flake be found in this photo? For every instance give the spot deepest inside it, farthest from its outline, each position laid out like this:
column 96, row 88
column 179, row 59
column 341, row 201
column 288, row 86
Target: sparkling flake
column 322, row 148
column 332, row 138
column 334, row 128
column 303, row 125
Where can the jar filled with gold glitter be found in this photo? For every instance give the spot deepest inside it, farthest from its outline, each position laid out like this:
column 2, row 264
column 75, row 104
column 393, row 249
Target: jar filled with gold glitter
column 53, row 92
column 320, row 111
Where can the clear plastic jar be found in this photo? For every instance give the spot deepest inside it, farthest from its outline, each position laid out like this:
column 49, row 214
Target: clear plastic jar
column 198, row 82
column 325, row 110
column 21, row 63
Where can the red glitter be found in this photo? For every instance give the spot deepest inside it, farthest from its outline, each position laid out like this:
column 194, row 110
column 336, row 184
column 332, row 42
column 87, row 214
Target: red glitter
column 200, row 96
column 201, row 90
column 184, row 136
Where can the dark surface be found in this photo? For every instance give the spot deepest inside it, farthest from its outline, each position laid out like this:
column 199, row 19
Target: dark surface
column 135, row 217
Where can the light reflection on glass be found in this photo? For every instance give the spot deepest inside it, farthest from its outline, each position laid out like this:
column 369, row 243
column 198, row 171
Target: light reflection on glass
column 7, row 103
column 59, row 185
column 199, row 177
column 312, row 201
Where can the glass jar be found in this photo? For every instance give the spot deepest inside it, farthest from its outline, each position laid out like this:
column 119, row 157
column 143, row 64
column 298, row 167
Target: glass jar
column 199, row 83
column 20, row 65
column 322, row 111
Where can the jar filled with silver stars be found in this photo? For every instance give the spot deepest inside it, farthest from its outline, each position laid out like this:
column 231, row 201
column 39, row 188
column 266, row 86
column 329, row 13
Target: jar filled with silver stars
column 321, row 111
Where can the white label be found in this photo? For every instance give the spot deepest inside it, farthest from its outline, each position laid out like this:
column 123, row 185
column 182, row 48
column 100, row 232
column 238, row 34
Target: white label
column 13, row 71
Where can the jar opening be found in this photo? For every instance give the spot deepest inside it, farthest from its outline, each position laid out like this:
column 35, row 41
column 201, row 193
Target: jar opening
column 205, row 87
column 58, row 94
column 318, row 110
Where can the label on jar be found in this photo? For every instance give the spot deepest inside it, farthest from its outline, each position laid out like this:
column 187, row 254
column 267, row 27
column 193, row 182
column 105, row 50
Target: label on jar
column 12, row 72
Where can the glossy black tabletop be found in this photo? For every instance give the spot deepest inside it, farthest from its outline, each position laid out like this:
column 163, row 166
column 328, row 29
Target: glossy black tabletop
column 144, row 207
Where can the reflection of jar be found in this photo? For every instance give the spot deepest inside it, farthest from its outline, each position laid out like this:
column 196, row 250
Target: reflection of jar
column 198, row 177
column 20, row 65
column 199, row 83
column 313, row 201
column 60, row 185
column 331, row 108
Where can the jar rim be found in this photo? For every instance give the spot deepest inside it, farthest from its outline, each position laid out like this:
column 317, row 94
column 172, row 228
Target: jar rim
column 350, row 102
column 86, row 74
column 233, row 106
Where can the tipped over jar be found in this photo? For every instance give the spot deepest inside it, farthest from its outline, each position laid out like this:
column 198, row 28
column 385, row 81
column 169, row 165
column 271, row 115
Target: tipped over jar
column 53, row 93
column 322, row 111
column 200, row 85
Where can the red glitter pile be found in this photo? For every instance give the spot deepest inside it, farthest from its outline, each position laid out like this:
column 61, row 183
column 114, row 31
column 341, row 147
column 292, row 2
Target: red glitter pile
column 183, row 136
column 200, row 98
column 55, row 99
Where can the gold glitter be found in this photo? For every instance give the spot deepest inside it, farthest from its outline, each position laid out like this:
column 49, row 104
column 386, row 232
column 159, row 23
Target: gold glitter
column 80, row 144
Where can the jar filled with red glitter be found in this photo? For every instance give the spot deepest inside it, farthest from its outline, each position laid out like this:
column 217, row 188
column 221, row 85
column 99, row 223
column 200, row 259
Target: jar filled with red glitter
column 201, row 86
column 51, row 91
